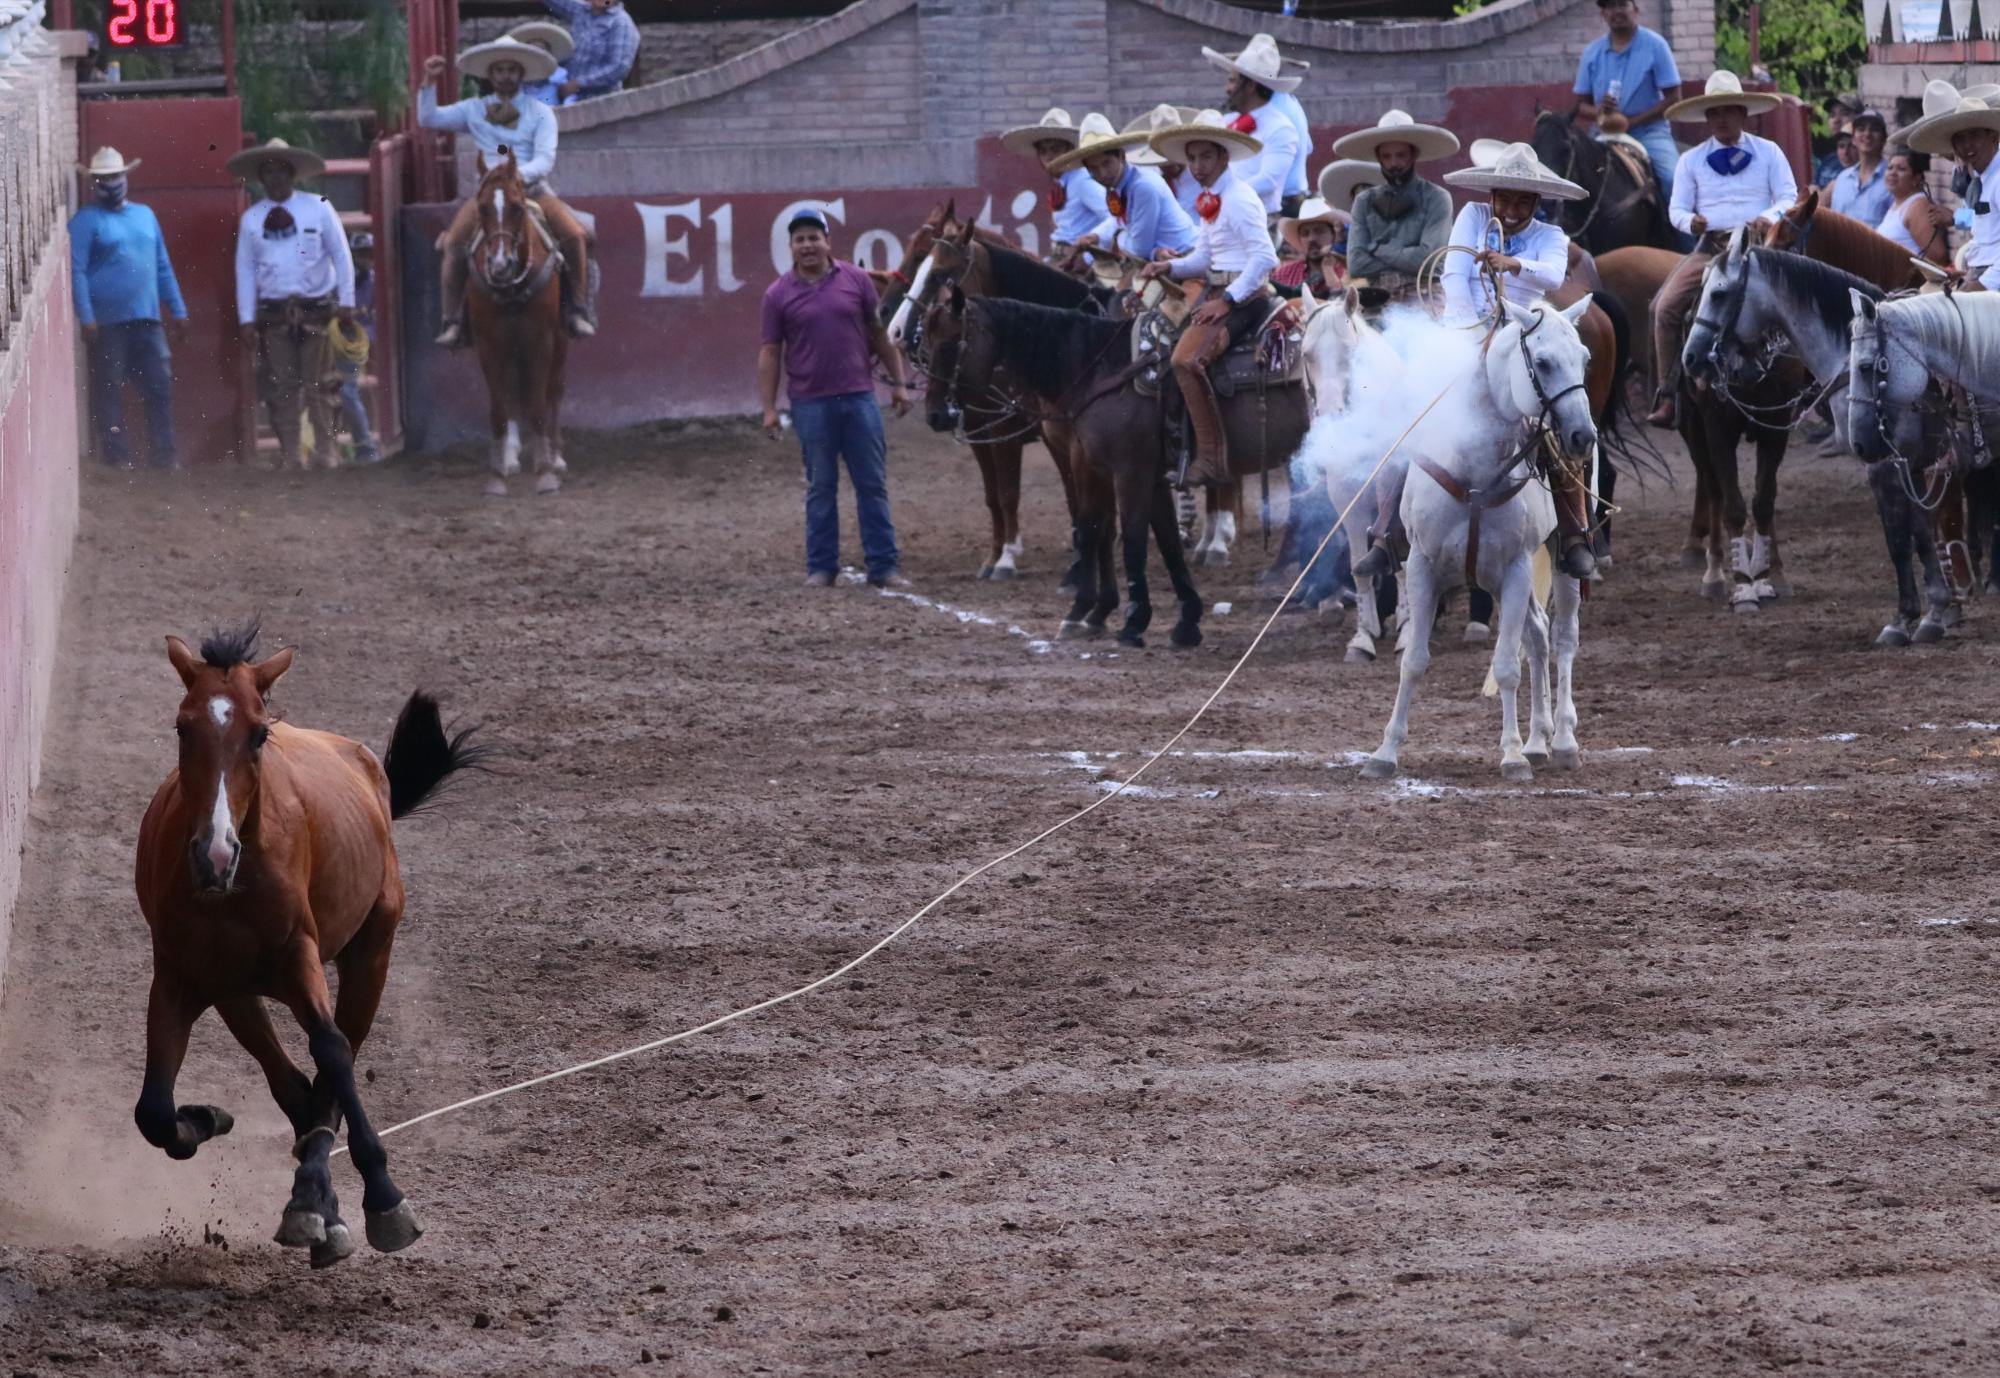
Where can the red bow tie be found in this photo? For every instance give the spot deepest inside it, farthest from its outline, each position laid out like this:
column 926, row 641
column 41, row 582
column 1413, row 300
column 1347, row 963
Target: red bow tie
column 1208, row 205
column 1058, row 196
column 1115, row 203
column 1244, row 124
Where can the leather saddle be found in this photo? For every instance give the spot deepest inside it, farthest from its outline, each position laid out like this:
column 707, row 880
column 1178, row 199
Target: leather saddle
column 1272, row 355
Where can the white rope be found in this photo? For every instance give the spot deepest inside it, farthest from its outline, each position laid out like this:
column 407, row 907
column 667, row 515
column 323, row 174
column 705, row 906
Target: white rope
column 970, row 876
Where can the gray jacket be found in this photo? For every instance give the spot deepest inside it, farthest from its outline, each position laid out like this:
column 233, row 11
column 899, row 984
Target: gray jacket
column 1377, row 243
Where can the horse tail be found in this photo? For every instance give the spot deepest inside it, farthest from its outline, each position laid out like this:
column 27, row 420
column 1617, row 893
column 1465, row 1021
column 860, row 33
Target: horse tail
column 1624, row 441
column 421, row 757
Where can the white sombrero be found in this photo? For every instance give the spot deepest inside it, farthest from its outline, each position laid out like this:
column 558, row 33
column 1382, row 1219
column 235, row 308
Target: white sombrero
column 540, row 33
column 108, row 162
column 1206, row 127
column 1948, row 110
column 1096, row 135
column 305, row 162
column 1397, row 127
column 537, row 64
column 1340, row 182
column 1154, row 121
column 1515, row 168
column 1723, row 89
column 1259, row 61
column 1055, row 124
column 1315, row 211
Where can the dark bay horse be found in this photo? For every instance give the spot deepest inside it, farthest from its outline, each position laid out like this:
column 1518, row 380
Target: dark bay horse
column 1072, row 372
column 1624, row 207
column 265, row 854
column 516, row 310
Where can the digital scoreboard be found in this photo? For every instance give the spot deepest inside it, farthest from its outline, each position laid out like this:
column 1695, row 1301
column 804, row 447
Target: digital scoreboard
column 141, row 25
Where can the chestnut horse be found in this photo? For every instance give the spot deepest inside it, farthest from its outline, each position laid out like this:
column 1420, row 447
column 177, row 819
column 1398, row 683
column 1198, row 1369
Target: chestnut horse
column 515, row 306
column 266, row 854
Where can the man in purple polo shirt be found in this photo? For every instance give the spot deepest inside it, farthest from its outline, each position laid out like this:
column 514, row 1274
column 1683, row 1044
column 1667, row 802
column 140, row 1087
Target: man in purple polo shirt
column 821, row 324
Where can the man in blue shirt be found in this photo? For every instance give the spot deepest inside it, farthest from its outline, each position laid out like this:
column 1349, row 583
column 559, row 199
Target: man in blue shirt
column 1630, row 73
column 1862, row 191
column 607, row 44
column 120, row 278
column 1144, row 215
column 1075, row 201
column 554, row 40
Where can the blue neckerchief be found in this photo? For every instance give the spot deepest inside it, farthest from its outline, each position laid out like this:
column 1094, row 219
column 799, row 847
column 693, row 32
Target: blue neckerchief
column 1729, row 159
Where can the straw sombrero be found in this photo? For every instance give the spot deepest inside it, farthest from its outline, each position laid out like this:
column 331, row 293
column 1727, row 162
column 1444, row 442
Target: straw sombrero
column 1154, row 121
column 1054, row 125
column 1259, row 61
column 305, row 162
column 1340, row 182
column 1206, row 127
column 478, row 61
column 1397, row 127
column 1515, row 168
column 1096, row 135
column 1315, row 211
column 541, row 33
column 107, row 162
column 1723, row 89
column 1948, row 110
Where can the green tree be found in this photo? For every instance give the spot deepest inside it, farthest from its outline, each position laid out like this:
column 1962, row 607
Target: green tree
column 1814, row 48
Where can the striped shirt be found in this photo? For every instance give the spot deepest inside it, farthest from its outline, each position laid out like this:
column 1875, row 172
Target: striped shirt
column 606, row 46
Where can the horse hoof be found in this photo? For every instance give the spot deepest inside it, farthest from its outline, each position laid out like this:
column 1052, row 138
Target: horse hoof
column 1518, row 772
column 1375, row 768
column 1566, row 758
column 1765, row 593
column 1537, row 756
column 1132, row 639
column 1072, row 631
column 562, row 465
column 1214, row 557
column 1356, row 656
column 1892, row 635
column 496, row 488
column 208, row 1121
column 393, row 1229
column 338, row 1244
column 1477, row 633
column 1186, row 635
column 1952, row 616
column 1929, row 633
column 301, row 1229
column 1745, row 605
column 1066, row 589
column 548, row 483
column 1003, row 572
column 985, row 572
column 1715, row 590
column 1779, row 587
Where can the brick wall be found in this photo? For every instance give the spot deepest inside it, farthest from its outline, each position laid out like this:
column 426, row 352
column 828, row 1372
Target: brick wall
column 665, row 50
column 38, row 414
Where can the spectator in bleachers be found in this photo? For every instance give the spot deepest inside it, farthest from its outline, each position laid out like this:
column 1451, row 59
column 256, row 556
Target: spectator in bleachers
column 554, row 40
column 607, row 44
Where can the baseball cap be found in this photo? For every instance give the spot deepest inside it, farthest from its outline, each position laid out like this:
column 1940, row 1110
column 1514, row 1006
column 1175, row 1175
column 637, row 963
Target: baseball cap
column 807, row 215
column 361, row 239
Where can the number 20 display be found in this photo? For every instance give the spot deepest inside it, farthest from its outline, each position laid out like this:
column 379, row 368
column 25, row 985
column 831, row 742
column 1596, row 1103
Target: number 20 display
column 145, row 24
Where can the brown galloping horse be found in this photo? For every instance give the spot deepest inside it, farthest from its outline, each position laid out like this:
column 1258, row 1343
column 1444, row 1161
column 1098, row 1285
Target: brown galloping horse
column 265, row 854
column 516, row 310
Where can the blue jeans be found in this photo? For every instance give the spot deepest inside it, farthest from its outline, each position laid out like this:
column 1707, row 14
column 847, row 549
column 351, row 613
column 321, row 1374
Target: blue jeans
column 1666, row 155
column 848, row 427
column 134, row 351
column 357, row 412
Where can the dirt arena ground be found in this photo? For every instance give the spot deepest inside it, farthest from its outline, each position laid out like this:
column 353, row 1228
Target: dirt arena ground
column 1680, row 1065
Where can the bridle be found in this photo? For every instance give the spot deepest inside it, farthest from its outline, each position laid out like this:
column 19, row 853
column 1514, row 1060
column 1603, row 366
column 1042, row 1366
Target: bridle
column 1722, row 334
column 1542, row 395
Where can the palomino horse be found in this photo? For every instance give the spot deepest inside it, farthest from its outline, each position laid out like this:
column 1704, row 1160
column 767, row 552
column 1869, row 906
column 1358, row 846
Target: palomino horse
column 1624, row 207
column 1073, row 373
column 516, row 310
column 265, row 854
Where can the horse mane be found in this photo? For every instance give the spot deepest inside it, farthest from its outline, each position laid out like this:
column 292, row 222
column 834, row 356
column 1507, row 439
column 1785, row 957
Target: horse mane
column 1855, row 245
column 1048, row 348
column 1821, row 284
column 1021, row 278
column 1961, row 328
column 225, row 647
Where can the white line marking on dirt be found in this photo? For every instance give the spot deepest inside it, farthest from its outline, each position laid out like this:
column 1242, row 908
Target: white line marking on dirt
column 967, row 616
column 1795, row 741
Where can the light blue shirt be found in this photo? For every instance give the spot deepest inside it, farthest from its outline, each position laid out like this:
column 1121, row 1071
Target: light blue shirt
column 545, row 91
column 1084, row 209
column 532, row 137
column 119, row 268
column 1296, row 184
column 1869, row 203
column 1153, row 216
column 1643, row 70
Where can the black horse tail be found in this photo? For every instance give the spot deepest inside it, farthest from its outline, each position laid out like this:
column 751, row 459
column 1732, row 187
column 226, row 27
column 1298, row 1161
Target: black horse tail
column 421, row 757
column 1624, row 441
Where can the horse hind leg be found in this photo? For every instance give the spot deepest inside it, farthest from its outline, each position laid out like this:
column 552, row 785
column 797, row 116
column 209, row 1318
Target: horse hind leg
column 1007, row 467
column 1541, row 723
column 1517, row 591
column 1167, row 533
column 1897, row 533
column 1420, row 597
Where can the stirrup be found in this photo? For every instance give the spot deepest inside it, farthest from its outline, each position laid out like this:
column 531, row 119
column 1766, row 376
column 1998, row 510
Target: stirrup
column 1576, row 560
column 1376, row 562
column 452, row 336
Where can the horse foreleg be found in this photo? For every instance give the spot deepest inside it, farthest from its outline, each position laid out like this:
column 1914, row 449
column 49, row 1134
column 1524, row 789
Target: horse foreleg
column 1765, row 561
column 1535, row 643
column 1897, row 511
column 1135, row 515
column 1517, row 590
column 1073, row 500
column 1167, row 533
column 1937, row 586
column 989, row 480
column 1224, row 502
column 1091, row 523
column 1007, row 482
column 1107, row 572
column 1698, row 553
column 179, row 1130
column 1565, row 631
column 1420, row 598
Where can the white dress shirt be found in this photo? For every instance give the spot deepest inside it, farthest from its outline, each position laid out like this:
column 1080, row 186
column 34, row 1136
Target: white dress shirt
column 1269, row 172
column 532, row 137
column 1542, row 248
column 1236, row 241
column 308, row 260
column 1764, row 190
column 1298, row 184
column 1186, row 190
column 1985, row 256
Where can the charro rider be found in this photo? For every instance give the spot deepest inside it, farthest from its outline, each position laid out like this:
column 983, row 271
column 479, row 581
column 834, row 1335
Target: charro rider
column 1319, row 268
column 1405, row 220
column 1162, row 117
column 1967, row 128
column 1075, row 199
column 512, row 121
column 1143, row 216
column 1256, row 81
column 1233, row 255
column 1731, row 179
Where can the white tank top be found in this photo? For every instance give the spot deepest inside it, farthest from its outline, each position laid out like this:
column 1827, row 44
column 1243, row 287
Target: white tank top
column 1893, row 227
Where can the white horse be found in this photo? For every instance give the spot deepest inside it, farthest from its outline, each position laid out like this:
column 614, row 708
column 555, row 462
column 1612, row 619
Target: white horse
column 1894, row 350
column 1526, row 390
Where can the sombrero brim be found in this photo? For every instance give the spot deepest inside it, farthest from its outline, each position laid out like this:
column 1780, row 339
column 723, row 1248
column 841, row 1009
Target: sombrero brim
column 555, row 34
column 1171, row 144
column 1023, row 140
column 1933, row 135
column 1076, row 157
column 1551, row 188
column 1430, row 142
column 536, row 64
column 1228, row 64
column 305, row 163
column 1340, row 182
column 90, row 171
column 1695, row 107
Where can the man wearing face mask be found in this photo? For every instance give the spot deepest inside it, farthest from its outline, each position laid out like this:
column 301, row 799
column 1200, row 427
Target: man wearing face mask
column 121, row 277
column 293, row 275
column 1402, row 222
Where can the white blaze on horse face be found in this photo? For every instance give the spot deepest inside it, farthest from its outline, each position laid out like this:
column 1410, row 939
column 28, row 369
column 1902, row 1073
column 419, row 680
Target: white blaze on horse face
column 499, row 206
column 219, row 709
column 901, row 320
column 221, row 830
